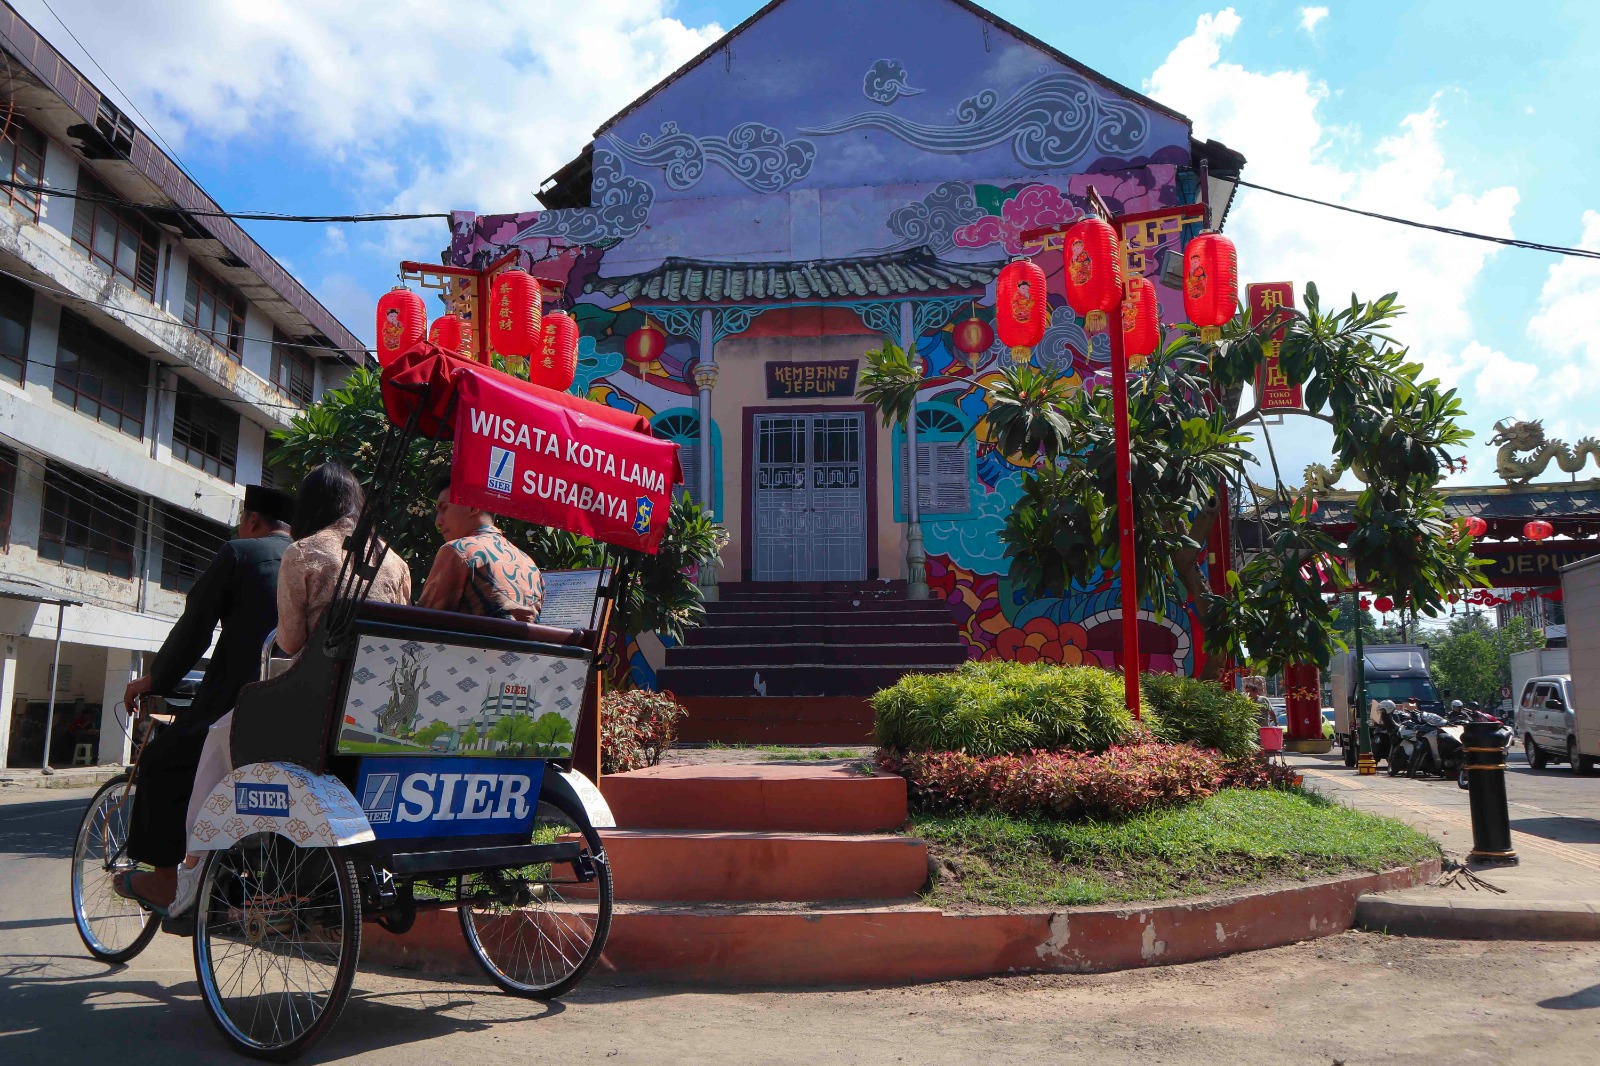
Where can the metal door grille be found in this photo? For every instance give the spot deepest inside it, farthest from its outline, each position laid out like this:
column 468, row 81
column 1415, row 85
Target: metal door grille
column 809, row 497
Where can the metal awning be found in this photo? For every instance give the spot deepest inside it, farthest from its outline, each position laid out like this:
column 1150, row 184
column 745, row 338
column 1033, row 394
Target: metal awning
column 916, row 271
column 15, row 589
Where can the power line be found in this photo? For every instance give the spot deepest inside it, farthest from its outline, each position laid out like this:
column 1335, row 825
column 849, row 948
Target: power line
column 1510, row 242
column 151, row 126
column 204, row 212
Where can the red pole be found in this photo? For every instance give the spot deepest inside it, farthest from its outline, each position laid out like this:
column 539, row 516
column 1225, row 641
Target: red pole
column 1128, row 562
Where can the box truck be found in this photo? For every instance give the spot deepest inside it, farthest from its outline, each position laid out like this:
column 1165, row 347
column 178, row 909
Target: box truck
column 1394, row 672
column 1580, row 593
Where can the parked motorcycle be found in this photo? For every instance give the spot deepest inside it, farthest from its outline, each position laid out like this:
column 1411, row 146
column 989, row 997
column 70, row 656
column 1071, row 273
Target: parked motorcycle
column 1438, row 746
column 1401, row 728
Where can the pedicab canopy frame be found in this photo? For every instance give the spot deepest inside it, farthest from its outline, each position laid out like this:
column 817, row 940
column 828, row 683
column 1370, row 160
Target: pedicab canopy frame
column 522, row 451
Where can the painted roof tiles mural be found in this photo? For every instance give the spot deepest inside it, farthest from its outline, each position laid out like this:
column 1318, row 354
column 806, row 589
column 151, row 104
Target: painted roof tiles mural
column 854, row 154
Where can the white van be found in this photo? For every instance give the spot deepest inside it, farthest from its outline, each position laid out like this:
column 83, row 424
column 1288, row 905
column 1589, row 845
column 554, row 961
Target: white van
column 1547, row 726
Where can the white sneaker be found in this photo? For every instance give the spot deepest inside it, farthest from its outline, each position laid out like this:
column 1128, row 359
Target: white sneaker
column 188, row 887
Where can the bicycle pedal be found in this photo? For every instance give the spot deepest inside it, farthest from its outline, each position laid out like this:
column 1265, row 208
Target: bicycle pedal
column 182, row 925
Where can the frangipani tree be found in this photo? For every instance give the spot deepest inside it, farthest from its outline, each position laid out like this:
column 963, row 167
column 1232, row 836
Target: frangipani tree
column 1187, row 440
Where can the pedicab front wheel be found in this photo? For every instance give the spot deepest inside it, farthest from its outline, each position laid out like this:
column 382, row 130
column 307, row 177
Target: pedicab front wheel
column 113, row 928
column 536, row 931
column 276, row 940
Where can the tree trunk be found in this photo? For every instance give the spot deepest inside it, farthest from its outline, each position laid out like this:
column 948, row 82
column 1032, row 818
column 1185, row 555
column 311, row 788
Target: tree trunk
column 1187, row 564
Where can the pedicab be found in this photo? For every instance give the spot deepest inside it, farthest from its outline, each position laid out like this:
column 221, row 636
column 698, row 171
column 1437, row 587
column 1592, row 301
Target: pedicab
column 340, row 812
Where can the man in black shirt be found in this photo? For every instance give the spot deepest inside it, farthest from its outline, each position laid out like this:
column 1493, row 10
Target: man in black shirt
column 240, row 590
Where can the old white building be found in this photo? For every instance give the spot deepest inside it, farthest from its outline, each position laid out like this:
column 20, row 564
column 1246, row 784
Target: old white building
column 147, row 348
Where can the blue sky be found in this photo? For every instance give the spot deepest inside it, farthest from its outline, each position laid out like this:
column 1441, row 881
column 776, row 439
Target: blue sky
column 1448, row 112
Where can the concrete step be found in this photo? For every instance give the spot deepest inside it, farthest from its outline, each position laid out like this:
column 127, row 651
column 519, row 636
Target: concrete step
column 733, row 590
column 808, row 654
column 721, row 865
column 749, row 615
column 812, row 604
column 777, row 720
column 844, row 630
column 842, row 680
column 766, row 797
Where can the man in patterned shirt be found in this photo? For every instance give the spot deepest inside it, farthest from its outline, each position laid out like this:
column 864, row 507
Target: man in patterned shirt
column 478, row 571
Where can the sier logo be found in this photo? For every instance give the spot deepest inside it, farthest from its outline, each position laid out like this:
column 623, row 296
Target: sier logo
column 502, row 468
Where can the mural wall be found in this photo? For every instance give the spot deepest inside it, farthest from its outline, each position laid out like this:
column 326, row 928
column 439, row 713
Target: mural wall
column 827, row 131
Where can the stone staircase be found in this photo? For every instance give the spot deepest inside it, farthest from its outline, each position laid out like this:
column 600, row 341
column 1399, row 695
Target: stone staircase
column 794, row 662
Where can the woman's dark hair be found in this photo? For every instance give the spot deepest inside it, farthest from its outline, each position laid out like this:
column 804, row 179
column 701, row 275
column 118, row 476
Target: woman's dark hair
column 441, row 482
column 329, row 493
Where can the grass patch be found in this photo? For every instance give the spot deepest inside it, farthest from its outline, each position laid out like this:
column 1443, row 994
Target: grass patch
column 1234, row 839
column 804, row 754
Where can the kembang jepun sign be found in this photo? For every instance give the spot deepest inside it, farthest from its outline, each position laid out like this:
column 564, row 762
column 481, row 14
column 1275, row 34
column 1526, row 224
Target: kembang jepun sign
column 523, row 458
column 793, row 381
column 1274, row 391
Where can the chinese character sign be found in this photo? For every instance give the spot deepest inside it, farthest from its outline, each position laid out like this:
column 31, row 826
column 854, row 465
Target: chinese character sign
column 1274, row 391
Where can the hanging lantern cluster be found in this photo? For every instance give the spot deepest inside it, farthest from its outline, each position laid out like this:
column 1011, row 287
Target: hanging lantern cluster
column 1093, row 271
column 448, row 331
column 972, row 338
column 1141, row 321
column 1021, row 311
column 1490, row 598
column 557, row 362
column 402, row 323
column 1538, row 530
column 1210, row 283
column 645, row 344
column 515, row 302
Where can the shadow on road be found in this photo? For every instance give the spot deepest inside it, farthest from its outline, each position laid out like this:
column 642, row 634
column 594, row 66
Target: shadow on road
column 1567, row 829
column 1583, row 999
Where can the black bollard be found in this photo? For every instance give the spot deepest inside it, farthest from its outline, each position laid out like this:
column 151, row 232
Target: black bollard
column 1486, row 785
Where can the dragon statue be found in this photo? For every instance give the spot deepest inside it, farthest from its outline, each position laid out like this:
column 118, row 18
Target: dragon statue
column 1514, row 437
column 1319, row 481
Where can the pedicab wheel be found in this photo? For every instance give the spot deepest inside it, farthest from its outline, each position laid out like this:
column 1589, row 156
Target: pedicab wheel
column 276, row 938
column 113, row 928
column 536, row 931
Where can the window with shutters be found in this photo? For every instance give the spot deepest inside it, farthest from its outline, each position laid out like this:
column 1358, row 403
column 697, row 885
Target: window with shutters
column 99, row 376
column 87, row 523
column 293, row 371
column 682, row 426
column 188, row 544
column 16, row 317
column 944, row 477
column 216, row 310
column 205, row 434
column 22, row 162
column 116, row 237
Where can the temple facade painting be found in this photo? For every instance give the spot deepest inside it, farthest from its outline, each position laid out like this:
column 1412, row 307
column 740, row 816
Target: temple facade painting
column 829, row 175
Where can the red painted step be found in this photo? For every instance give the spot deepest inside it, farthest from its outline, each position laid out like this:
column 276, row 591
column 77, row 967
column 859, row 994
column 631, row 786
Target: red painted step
column 728, row 866
column 818, row 799
column 776, row 720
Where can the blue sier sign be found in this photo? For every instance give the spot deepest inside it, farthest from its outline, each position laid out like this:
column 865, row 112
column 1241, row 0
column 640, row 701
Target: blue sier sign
column 271, row 800
column 412, row 796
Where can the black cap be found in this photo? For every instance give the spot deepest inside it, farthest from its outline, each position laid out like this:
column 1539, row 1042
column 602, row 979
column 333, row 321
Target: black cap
column 273, row 504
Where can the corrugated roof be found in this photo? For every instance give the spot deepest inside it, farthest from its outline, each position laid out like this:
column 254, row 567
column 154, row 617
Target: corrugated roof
column 700, row 281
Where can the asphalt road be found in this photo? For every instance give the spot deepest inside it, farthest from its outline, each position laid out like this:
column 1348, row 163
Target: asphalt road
column 1353, row 998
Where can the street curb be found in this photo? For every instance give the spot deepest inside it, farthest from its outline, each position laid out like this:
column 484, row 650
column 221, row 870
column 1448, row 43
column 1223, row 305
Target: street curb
column 879, row 946
column 81, row 777
column 1479, row 919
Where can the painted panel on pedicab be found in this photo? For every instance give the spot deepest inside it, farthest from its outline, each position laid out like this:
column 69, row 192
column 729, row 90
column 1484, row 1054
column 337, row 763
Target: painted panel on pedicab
column 416, row 698
column 275, row 797
column 448, row 797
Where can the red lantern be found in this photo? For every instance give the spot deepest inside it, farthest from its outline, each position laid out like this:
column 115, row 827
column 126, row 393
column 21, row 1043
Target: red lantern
column 402, row 322
column 1210, row 283
column 448, row 331
column 514, row 304
column 1365, row 603
column 1093, row 271
column 646, row 343
column 558, row 355
column 1021, row 311
column 1141, row 321
column 972, row 338
column 1538, row 530
column 1384, row 604
column 1518, row 597
column 1476, row 527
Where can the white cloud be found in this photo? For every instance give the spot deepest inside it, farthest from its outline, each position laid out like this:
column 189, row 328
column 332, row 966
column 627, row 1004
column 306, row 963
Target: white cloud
column 1311, row 16
column 427, row 105
column 1274, row 118
column 1568, row 320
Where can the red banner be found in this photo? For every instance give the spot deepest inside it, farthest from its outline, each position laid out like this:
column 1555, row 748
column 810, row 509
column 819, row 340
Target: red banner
column 518, row 456
column 1273, row 389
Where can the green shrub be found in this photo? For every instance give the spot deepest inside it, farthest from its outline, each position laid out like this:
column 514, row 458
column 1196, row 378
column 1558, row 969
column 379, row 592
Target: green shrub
column 1181, row 709
column 999, row 708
